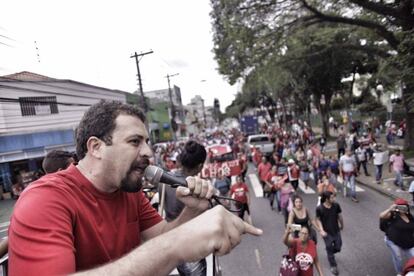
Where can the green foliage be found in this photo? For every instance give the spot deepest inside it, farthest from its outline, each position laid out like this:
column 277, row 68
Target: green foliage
column 371, row 105
column 338, row 103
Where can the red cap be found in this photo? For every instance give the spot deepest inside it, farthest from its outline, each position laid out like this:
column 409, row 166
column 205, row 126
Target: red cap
column 401, row 201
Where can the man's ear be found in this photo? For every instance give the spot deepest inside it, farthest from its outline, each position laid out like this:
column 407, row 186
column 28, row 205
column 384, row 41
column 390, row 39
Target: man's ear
column 94, row 146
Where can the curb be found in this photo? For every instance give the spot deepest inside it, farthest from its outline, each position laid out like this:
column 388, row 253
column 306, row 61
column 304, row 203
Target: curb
column 383, row 192
column 377, row 189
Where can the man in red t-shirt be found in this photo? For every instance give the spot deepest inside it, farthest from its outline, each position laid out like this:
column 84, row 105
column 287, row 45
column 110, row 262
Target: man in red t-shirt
column 240, row 192
column 293, row 172
column 94, row 216
column 262, row 170
column 243, row 164
column 257, row 156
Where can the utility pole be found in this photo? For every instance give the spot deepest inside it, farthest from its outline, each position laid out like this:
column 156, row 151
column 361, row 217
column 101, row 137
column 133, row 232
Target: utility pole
column 172, row 107
column 204, row 113
column 204, row 110
column 143, row 101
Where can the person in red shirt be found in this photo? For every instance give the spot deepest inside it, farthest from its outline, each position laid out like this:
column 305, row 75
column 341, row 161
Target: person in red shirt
column 257, row 156
column 271, row 184
column 262, row 170
column 303, row 251
column 93, row 217
column 243, row 164
column 294, row 173
column 240, row 192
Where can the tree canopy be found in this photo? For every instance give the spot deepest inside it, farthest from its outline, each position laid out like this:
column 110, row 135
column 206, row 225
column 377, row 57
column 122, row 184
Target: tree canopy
column 248, row 34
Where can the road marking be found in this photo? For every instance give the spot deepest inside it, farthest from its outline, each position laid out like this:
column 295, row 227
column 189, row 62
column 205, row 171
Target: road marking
column 4, row 224
column 357, row 188
column 259, row 263
column 308, row 190
column 4, row 230
column 257, row 187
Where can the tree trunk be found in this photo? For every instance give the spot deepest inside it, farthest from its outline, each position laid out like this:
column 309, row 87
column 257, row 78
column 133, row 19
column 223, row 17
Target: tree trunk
column 325, row 120
column 407, row 59
column 409, row 137
column 308, row 114
column 284, row 112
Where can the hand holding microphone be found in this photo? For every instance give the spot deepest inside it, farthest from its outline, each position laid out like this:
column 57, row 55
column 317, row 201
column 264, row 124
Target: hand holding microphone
column 194, row 192
column 221, row 231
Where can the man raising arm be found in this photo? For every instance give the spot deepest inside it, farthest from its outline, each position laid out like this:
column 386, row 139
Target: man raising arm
column 93, row 216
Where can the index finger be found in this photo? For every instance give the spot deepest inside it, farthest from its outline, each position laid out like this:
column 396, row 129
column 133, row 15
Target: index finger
column 250, row 229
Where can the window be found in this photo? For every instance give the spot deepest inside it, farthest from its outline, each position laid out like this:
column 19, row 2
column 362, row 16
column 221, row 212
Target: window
column 31, row 106
column 259, row 139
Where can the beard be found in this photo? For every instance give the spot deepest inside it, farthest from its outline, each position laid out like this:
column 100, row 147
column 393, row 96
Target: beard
column 130, row 183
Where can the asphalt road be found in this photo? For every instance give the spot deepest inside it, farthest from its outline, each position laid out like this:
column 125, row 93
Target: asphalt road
column 363, row 253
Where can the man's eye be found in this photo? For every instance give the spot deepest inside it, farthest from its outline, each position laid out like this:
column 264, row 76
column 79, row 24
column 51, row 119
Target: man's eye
column 136, row 141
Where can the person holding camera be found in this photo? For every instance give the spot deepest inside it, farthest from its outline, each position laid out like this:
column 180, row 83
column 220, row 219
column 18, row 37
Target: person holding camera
column 303, row 250
column 398, row 225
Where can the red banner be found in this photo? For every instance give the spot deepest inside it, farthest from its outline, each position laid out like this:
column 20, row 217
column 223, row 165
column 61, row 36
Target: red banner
column 228, row 168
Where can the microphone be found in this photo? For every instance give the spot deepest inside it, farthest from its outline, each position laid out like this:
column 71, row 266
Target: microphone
column 156, row 175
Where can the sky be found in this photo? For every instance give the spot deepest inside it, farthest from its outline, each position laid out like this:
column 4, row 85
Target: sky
column 92, row 41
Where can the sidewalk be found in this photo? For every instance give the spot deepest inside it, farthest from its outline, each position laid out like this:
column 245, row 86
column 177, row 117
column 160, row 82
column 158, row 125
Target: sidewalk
column 6, row 209
column 387, row 186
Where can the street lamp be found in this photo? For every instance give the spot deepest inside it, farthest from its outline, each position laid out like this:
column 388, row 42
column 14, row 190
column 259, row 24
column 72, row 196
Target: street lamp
column 323, row 101
column 380, row 88
column 393, row 99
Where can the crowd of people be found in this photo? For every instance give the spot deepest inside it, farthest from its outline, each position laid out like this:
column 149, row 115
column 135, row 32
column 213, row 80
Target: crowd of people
column 105, row 180
column 300, row 156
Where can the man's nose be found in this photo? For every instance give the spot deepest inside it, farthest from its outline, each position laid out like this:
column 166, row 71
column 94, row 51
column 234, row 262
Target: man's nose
column 146, row 151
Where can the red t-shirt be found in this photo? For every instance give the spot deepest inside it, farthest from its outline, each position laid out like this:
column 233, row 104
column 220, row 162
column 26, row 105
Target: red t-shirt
column 257, row 157
column 263, row 169
column 62, row 224
column 294, row 172
column 239, row 190
column 305, row 257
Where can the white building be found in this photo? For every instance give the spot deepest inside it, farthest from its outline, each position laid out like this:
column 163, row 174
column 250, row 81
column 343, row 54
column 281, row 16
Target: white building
column 164, row 96
column 39, row 114
column 198, row 116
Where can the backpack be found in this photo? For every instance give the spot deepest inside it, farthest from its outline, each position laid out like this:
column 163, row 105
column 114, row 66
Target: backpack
column 288, row 266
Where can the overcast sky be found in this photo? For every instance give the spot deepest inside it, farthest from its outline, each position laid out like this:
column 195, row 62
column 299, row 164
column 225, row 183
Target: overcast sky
column 92, row 41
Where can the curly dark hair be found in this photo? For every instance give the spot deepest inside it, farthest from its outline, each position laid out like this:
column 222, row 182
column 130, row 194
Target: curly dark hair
column 325, row 196
column 192, row 155
column 99, row 121
column 57, row 160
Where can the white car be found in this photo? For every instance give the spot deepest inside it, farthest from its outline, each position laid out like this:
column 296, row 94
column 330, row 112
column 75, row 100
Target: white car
column 261, row 141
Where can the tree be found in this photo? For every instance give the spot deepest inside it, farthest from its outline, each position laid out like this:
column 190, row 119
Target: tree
column 246, row 31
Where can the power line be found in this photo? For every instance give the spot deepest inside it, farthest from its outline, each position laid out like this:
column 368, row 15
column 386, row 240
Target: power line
column 144, row 102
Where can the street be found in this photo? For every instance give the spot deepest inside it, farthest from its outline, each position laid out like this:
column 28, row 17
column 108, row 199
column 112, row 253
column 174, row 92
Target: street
column 363, row 252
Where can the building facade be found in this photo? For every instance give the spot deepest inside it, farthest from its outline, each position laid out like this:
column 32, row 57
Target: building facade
column 165, row 105
column 39, row 114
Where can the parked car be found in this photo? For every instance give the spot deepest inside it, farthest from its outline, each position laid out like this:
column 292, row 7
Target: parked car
column 261, row 141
